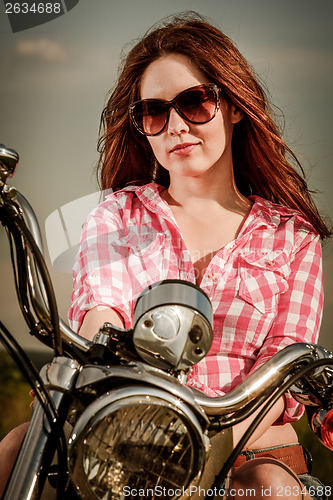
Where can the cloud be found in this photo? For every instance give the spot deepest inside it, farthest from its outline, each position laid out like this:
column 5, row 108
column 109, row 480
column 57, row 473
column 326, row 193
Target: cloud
column 41, row 49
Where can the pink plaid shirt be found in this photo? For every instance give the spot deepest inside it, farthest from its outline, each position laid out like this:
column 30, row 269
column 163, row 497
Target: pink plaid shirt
column 265, row 286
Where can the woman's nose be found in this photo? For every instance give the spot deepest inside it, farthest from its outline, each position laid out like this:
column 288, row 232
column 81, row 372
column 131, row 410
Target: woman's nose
column 176, row 124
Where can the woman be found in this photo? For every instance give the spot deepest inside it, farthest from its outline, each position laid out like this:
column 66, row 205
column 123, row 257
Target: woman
column 206, row 191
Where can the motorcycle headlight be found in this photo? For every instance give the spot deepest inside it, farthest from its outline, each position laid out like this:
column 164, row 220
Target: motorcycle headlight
column 136, row 438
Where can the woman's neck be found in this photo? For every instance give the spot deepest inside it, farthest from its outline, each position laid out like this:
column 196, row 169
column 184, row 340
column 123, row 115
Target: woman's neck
column 194, row 194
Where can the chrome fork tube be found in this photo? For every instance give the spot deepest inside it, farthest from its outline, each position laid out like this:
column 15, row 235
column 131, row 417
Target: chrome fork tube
column 30, row 471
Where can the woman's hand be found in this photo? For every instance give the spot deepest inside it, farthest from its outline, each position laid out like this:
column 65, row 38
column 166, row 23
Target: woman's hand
column 33, row 395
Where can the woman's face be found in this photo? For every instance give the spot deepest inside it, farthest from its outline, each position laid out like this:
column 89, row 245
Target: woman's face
column 183, row 148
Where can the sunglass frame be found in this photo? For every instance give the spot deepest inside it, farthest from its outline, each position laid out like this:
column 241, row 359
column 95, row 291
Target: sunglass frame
column 173, row 104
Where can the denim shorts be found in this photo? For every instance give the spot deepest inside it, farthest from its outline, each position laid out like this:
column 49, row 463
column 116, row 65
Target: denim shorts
column 314, row 487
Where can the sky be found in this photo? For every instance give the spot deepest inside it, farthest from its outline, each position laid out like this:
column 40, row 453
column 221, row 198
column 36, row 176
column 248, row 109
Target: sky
column 55, row 80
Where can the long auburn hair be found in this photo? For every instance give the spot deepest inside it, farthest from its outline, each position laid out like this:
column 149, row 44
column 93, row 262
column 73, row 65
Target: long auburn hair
column 263, row 164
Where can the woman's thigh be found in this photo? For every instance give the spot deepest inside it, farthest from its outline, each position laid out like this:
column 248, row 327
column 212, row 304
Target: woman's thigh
column 264, row 478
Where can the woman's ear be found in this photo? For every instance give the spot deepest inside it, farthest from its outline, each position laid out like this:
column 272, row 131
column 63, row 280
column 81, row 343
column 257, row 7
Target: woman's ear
column 236, row 114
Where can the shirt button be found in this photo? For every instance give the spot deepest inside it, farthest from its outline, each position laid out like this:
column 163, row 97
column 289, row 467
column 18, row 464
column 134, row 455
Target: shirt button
column 271, row 262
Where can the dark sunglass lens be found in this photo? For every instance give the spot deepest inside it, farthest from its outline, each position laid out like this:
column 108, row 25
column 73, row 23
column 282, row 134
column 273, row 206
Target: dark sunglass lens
column 199, row 106
column 150, row 116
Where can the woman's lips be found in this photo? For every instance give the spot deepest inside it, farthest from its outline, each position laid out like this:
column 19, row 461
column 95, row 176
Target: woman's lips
column 183, row 149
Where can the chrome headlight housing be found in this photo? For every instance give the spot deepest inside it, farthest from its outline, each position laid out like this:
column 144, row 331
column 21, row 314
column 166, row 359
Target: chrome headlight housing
column 136, row 438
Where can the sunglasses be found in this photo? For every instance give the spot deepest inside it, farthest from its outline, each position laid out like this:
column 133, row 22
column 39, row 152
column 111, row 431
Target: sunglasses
column 195, row 105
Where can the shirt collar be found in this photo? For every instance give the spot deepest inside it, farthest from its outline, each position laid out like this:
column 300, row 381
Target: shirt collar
column 149, row 195
column 262, row 213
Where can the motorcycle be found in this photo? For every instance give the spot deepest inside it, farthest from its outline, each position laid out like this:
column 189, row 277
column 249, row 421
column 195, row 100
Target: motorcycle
column 134, row 425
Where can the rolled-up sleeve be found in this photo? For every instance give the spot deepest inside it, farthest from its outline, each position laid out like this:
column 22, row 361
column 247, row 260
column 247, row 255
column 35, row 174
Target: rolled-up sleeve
column 100, row 276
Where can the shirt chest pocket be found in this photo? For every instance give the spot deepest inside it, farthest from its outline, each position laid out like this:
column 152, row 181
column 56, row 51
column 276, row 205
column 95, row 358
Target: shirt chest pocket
column 145, row 262
column 263, row 279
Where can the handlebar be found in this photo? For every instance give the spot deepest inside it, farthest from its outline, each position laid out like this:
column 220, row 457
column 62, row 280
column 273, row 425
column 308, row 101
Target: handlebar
column 33, row 226
column 260, row 384
column 18, row 217
column 16, row 211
